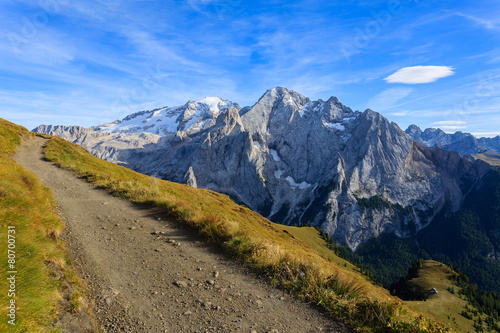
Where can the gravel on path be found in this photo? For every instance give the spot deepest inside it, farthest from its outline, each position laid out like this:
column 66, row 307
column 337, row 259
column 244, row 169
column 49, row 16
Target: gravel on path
column 145, row 274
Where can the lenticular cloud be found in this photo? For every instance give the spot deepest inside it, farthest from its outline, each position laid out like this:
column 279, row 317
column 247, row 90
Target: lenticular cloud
column 420, row 74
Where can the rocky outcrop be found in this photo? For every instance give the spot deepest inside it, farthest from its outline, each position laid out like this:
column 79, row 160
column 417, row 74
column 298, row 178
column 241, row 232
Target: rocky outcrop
column 297, row 161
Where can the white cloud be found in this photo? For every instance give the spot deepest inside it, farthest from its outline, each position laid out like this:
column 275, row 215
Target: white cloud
column 401, row 113
column 388, row 98
column 449, row 123
column 419, row 74
column 485, row 134
column 444, row 128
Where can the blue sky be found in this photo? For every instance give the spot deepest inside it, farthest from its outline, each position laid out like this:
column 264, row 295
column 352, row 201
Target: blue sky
column 74, row 62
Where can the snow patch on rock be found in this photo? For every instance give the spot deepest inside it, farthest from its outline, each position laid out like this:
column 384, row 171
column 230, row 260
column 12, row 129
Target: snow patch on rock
column 274, row 153
column 294, row 185
column 336, row 126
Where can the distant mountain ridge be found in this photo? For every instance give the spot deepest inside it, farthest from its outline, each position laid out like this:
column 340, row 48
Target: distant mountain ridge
column 463, row 143
column 190, row 118
column 296, row 161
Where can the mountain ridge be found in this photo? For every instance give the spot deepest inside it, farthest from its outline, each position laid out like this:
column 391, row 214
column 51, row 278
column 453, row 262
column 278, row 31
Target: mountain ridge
column 298, row 161
column 463, row 143
column 189, row 117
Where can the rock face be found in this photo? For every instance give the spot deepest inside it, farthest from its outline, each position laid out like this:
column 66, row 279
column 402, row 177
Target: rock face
column 463, row 143
column 296, row 161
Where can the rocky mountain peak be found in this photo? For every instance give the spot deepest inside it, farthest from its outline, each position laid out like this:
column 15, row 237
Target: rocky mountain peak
column 413, row 131
column 277, row 105
column 229, row 122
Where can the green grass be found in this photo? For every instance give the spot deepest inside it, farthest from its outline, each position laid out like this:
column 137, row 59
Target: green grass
column 287, row 261
column 28, row 206
column 311, row 237
column 445, row 306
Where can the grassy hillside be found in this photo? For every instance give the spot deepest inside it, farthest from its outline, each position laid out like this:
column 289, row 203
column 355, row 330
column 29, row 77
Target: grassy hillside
column 488, row 157
column 30, row 229
column 446, row 305
column 312, row 238
column 287, row 261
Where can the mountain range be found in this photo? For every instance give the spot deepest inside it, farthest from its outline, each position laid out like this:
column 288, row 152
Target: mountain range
column 463, row 143
column 296, row 161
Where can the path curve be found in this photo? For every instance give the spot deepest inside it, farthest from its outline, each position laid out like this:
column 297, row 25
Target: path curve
column 140, row 281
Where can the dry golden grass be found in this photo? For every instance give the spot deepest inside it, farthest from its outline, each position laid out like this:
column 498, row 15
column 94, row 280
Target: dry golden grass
column 285, row 259
column 28, row 206
column 311, row 237
column 488, row 157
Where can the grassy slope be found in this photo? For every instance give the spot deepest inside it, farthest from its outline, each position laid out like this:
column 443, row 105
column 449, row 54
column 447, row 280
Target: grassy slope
column 443, row 306
column 288, row 261
column 29, row 206
column 488, row 157
column 312, row 238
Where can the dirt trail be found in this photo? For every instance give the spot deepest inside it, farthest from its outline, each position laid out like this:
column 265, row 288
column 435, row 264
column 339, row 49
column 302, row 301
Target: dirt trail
column 149, row 275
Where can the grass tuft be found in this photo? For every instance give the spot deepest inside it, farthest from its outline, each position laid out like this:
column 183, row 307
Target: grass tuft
column 211, row 226
column 350, row 289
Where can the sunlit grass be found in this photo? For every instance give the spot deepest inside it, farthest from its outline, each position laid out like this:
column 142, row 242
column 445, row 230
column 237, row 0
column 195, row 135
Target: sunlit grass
column 29, row 206
column 489, row 157
column 287, row 261
column 444, row 306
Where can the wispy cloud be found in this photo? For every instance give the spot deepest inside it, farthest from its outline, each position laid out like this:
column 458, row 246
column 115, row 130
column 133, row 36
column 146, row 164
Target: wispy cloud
column 446, row 128
column 446, row 125
column 403, row 113
column 449, row 123
column 388, row 98
column 480, row 21
column 419, row 74
column 95, row 61
column 485, row 134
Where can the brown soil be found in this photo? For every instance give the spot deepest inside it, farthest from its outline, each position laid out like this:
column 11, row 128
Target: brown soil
column 146, row 274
